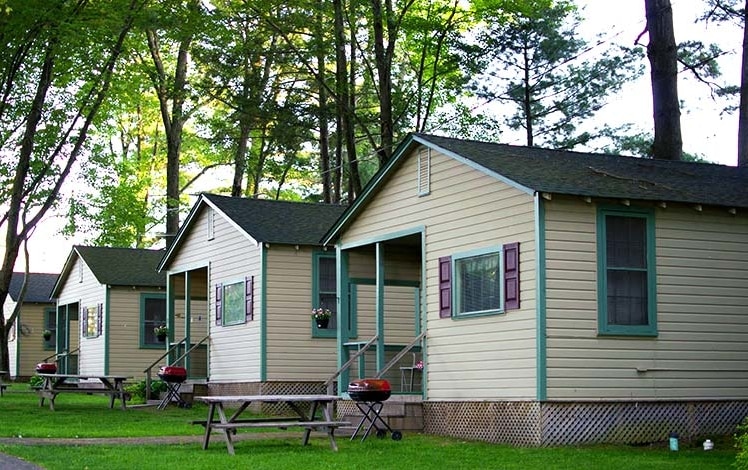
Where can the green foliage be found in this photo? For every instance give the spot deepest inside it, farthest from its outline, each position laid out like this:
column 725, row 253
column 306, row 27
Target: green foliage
column 137, row 389
column 36, row 381
column 741, row 443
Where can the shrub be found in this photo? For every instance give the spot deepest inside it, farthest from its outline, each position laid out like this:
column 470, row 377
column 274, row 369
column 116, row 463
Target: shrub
column 741, row 442
column 137, row 389
column 36, row 381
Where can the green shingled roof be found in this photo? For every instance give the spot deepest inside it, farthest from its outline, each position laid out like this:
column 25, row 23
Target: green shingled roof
column 123, row 266
column 271, row 221
column 606, row 176
column 38, row 290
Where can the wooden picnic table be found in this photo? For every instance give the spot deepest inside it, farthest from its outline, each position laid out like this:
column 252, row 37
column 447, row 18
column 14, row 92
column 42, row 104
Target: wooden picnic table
column 306, row 419
column 54, row 384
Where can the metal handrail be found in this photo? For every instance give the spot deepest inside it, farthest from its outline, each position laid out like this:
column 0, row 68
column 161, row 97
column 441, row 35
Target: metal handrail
column 329, row 383
column 400, row 355
column 149, row 369
column 61, row 353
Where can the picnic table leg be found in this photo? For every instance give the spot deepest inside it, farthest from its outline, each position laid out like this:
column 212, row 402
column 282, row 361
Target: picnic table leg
column 227, row 432
column 208, row 425
column 119, row 385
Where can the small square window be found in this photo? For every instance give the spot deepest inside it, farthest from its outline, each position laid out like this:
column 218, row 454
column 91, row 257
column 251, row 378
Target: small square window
column 478, row 283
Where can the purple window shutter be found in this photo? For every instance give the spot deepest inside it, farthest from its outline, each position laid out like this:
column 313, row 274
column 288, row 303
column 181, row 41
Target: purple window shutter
column 219, row 291
column 445, row 287
column 84, row 321
column 99, row 319
column 249, row 297
column 511, row 276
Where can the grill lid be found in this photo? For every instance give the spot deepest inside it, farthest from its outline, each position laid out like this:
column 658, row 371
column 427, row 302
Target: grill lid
column 369, row 390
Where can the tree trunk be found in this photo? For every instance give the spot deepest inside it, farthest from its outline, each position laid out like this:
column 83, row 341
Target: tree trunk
column 383, row 60
column 322, row 114
column 743, row 116
column 663, row 59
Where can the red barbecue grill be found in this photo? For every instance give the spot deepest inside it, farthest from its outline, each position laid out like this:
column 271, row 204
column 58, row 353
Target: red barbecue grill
column 46, row 368
column 368, row 395
column 173, row 377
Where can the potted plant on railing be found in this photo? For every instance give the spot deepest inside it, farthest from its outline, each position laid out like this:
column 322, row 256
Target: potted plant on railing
column 47, row 335
column 161, row 332
column 321, row 317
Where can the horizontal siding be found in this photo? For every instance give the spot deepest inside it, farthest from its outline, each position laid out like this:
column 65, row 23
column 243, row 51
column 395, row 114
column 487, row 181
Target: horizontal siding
column 126, row 357
column 25, row 351
column 465, row 210
column 701, row 351
column 399, row 313
column 292, row 353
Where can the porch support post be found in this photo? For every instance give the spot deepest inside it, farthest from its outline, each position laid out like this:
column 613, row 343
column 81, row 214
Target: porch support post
column 380, row 307
column 187, row 313
column 343, row 309
column 170, row 322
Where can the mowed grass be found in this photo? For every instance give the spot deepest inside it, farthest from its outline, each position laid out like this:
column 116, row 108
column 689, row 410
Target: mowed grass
column 84, row 416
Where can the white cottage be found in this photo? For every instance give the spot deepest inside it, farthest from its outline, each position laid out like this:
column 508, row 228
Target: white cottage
column 565, row 297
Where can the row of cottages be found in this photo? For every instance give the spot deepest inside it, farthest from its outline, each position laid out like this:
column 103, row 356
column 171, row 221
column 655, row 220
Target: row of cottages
column 109, row 300
column 565, row 297
column 27, row 345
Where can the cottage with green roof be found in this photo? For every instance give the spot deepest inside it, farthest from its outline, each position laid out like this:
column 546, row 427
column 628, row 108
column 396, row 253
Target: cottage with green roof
column 261, row 266
column 108, row 302
column 565, row 297
column 27, row 344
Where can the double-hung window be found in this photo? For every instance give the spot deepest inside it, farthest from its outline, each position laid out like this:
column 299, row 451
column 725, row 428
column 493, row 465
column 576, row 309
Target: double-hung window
column 626, row 272
column 153, row 314
column 324, row 291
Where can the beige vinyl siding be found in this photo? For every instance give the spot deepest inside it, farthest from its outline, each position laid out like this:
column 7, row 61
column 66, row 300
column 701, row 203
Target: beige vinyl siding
column 702, row 344
column 89, row 293
column 399, row 313
column 478, row 358
column 292, row 353
column 26, row 350
column 231, row 256
column 126, row 357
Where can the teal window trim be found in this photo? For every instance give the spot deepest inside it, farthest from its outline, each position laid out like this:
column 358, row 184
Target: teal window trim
column 143, row 326
column 498, row 251
column 316, row 293
column 241, row 318
column 50, row 323
column 604, row 328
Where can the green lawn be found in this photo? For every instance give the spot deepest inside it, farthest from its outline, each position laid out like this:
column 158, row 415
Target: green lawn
column 84, row 416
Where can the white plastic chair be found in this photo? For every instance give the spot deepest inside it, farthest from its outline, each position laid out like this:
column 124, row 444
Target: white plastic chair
column 407, row 374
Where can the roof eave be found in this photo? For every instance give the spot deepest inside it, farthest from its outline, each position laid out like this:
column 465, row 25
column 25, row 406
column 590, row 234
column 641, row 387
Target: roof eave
column 369, row 191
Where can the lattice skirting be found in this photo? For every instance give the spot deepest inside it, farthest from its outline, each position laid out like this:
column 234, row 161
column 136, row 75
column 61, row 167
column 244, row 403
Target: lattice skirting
column 564, row 423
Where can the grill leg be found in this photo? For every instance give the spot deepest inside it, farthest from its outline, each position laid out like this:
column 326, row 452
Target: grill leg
column 172, row 393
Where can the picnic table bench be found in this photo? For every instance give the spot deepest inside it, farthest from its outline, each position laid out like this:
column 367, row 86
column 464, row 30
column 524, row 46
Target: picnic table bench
column 228, row 425
column 54, row 384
